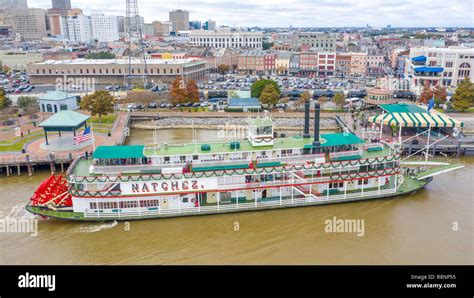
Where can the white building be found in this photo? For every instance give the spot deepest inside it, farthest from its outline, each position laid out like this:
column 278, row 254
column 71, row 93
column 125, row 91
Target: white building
column 79, row 28
column 104, row 28
column 445, row 66
column 223, row 38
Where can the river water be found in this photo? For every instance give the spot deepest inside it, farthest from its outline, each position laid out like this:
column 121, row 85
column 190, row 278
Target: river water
column 433, row 226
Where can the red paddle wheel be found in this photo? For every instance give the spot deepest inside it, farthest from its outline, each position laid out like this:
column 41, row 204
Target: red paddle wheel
column 53, row 190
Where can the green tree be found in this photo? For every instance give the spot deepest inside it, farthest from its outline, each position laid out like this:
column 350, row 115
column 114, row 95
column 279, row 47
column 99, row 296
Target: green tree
column 223, row 68
column 258, row 86
column 178, row 91
column 269, row 95
column 339, row 100
column 192, row 91
column 5, row 102
column 25, row 102
column 100, row 55
column 463, row 98
column 99, row 103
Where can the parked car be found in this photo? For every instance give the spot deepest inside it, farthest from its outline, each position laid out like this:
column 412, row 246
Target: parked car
column 152, row 105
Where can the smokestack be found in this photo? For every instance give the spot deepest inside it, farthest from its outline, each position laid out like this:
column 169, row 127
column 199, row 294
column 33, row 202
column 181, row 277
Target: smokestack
column 306, row 120
column 316, row 144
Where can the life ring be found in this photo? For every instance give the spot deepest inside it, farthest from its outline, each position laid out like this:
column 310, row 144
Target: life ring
column 193, row 200
column 456, row 132
column 400, row 179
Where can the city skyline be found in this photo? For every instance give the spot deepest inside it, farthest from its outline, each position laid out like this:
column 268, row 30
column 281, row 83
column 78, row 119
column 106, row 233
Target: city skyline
column 343, row 13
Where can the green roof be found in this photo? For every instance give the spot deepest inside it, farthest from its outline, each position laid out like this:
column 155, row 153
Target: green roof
column 402, row 108
column 115, row 152
column 56, row 95
column 65, row 118
column 339, row 139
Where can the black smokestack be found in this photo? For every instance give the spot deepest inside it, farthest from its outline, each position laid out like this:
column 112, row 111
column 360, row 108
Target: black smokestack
column 306, row 120
column 316, row 145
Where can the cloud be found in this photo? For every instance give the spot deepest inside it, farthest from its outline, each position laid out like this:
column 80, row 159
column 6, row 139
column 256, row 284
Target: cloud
column 298, row 13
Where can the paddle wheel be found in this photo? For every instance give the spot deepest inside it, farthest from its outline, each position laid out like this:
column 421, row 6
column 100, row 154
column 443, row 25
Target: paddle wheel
column 53, row 192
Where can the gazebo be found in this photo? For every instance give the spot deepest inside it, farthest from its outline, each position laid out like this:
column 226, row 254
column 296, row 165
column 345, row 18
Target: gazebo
column 64, row 121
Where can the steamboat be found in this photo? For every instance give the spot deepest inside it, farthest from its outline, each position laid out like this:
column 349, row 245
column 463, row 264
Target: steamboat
column 260, row 172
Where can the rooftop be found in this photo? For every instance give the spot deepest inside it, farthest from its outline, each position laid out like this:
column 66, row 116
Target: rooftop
column 116, row 152
column 66, row 118
column 56, row 95
column 327, row 140
column 117, row 61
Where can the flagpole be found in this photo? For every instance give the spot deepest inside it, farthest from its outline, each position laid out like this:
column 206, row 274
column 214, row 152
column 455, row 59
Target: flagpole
column 93, row 139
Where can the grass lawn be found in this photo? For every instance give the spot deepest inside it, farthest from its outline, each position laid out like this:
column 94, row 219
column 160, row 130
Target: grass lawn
column 105, row 119
column 17, row 143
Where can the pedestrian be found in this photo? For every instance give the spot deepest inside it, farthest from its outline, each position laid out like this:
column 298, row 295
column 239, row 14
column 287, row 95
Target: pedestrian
column 21, row 134
column 86, row 155
column 29, row 132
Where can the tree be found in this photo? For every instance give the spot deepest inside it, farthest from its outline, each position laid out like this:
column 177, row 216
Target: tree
column 223, row 68
column 99, row 103
column 258, row 86
column 339, row 100
column 463, row 98
column 269, row 95
column 178, row 91
column 439, row 94
column 192, row 91
column 426, row 93
column 305, row 96
column 5, row 102
column 26, row 102
column 6, row 69
column 322, row 100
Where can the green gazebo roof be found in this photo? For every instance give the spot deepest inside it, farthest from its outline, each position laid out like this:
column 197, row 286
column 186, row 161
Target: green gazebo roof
column 403, row 108
column 116, row 152
column 64, row 120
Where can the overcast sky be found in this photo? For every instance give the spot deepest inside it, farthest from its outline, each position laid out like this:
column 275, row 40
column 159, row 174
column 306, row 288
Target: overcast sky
column 298, row 13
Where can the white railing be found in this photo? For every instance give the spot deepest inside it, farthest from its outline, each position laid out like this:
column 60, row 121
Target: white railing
column 345, row 154
column 299, row 201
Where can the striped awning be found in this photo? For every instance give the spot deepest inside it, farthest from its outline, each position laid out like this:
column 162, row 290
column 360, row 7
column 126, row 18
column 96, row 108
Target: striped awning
column 433, row 119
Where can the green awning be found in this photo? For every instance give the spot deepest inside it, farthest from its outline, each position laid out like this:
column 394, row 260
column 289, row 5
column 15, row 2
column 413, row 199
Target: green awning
column 116, row 152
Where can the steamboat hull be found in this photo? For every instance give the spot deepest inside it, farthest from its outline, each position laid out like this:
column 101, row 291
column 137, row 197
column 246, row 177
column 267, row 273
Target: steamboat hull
column 409, row 186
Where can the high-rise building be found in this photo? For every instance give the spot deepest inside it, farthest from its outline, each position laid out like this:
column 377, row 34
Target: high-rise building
column 5, row 4
column 30, row 23
column 61, row 4
column 162, row 28
column 209, row 25
column 56, row 18
column 79, row 28
column 104, row 27
column 195, row 25
column 180, row 20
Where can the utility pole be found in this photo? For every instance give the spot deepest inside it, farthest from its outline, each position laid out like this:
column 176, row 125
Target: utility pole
column 134, row 34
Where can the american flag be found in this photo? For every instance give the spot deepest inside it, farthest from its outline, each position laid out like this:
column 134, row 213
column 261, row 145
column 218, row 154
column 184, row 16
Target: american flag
column 83, row 136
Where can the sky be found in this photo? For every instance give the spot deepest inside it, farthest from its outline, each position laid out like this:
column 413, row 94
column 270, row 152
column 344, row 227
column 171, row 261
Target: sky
column 298, row 13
